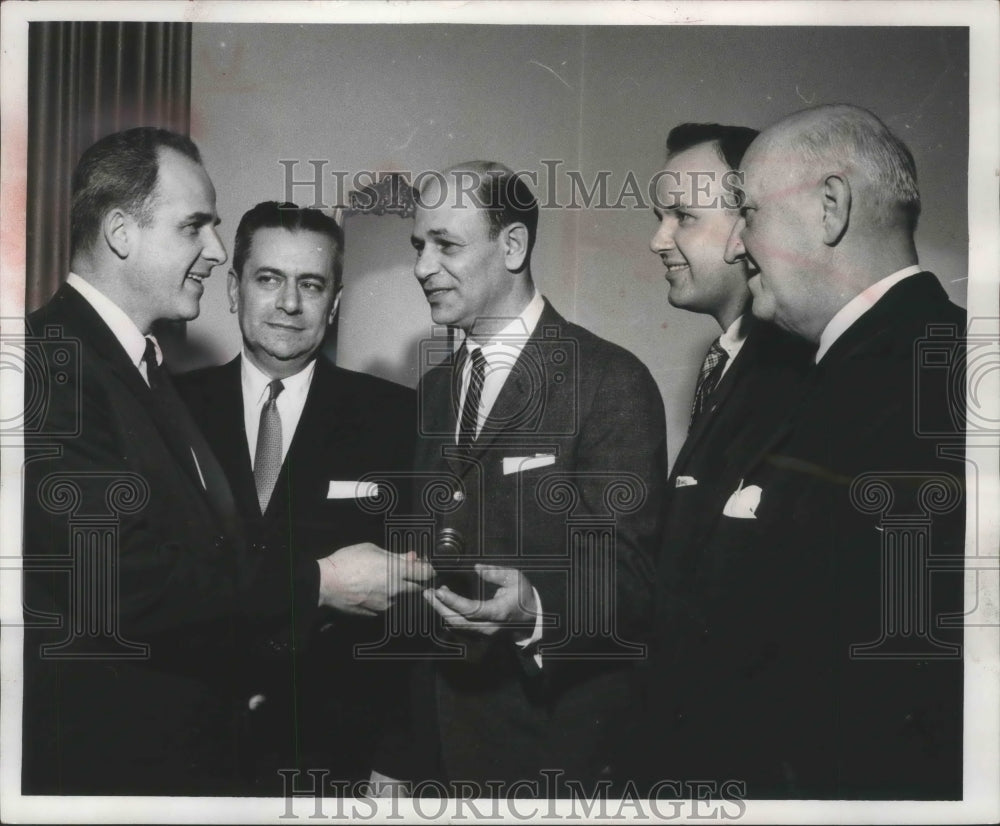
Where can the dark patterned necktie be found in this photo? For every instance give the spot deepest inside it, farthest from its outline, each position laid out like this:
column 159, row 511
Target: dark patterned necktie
column 708, row 379
column 267, row 457
column 190, row 442
column 470, row 410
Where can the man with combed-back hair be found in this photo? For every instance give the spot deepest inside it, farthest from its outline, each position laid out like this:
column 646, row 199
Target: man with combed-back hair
column 550, row 445
column 748, row 377
column 308, row 702
column 140, row 582
column 813, row 662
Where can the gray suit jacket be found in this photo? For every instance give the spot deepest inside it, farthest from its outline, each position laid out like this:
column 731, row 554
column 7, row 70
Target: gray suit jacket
column 566, row 483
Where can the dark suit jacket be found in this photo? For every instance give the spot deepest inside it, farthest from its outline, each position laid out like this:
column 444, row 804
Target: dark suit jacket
column 323, row 707
column 763, row 685
column 583, row 525
column 109, row 478
column 754, row 395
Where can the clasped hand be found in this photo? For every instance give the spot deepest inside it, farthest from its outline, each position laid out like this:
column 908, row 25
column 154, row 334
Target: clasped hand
column 364, row 580
column 513, row 606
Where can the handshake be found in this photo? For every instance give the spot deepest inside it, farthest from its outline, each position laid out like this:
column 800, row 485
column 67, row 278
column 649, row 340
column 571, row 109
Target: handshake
column 365, row 580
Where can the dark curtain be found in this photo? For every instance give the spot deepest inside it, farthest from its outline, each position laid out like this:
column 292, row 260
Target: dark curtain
column 87, row 80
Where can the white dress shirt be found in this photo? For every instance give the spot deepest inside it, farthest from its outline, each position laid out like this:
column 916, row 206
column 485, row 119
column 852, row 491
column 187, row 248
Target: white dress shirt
column 500, row 352
column 128, row 334
column 858, row 306
column 731, row 341
column 290, row 402
column 124, row 328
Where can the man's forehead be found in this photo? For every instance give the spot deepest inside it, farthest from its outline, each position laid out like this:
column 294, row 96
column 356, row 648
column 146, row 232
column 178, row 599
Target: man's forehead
column 771, row 170
column 689, row 174
column 442, row 214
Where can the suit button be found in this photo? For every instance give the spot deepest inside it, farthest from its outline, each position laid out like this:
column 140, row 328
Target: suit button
column 256, row 702
column 458, row 496
column 219, row 541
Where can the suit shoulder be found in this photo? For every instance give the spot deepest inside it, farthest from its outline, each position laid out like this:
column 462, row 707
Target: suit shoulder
column 205, row 381
column 599, row 356
column 774, row 347
column 365, row 384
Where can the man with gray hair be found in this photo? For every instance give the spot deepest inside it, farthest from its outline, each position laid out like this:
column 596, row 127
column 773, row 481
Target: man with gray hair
column 816, row 664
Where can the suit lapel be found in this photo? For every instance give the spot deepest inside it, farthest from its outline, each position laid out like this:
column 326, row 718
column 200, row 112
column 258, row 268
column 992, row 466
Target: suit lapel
column 717, row 400
column 230, row 443
column 508, row 412
column 92, row 328
column 107, row 346
column 328, row 426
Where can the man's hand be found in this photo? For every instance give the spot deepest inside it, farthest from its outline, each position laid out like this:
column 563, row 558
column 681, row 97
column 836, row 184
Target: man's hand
column 365, row 580
column 512, row 607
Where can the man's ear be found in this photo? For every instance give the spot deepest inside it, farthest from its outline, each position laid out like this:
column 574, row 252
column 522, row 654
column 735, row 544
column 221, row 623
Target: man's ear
column 836, row 191
column 515, row 246
column 117, row 227
column 233, row 290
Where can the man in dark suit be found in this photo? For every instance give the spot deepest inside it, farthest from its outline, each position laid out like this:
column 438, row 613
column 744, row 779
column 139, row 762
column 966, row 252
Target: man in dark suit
column 809, row 660
column 747, row 379
column 549, row 444
column 139, row 582
column 750, row 370
column 310, row 703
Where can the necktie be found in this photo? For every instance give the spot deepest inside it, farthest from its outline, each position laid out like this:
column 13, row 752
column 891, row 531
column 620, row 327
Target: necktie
column 470, row 410
column 708, row 379
column 267, row 458
column 179, row 428
column 154, row 373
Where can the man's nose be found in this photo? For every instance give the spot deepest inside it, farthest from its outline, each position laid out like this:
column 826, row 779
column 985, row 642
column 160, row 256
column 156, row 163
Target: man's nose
column 663, row 238
column 288, row 297
column 735, row 250
column 425, row 266
column 214, row 251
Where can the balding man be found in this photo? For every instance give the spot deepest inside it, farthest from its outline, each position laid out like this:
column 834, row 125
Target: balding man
column 814, row 667
column 552, row 444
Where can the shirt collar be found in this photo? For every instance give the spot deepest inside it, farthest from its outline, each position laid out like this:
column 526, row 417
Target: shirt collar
column 734, row 335
column 255, row 381
column 124, row 328
column 517, row 332
column 858, row 306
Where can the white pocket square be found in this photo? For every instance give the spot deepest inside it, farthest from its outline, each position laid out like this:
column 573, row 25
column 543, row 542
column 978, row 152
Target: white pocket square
column 743, row 502
column 352, row 490
column 519, row 464
column 685, row 481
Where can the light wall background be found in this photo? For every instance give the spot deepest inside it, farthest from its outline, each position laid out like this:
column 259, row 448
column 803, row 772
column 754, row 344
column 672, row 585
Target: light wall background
column 421, row 97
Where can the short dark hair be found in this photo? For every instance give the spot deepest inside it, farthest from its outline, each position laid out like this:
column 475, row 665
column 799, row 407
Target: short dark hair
column 120, row 170
column 731, row 142
column 286, row 215
column 502, row 194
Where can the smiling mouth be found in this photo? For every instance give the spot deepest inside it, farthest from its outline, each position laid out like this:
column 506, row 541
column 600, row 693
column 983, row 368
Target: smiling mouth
column 672, row 268
column 197, row 277
column 284, row 326
column 433, row 293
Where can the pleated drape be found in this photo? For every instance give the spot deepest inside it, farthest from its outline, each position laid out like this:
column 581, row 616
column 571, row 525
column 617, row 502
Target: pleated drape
column 87, row 80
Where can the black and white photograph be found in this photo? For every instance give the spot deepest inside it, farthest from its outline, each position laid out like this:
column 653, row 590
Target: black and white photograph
column 506, row 411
